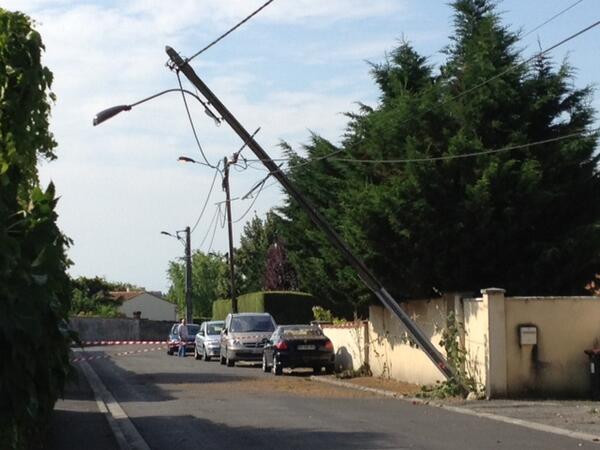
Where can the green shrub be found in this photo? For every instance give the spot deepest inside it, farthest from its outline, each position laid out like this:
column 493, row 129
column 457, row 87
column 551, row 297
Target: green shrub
column 285, row 307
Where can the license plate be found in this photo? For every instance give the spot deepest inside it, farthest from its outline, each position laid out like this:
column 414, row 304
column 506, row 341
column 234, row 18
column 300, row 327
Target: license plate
column 306, row 347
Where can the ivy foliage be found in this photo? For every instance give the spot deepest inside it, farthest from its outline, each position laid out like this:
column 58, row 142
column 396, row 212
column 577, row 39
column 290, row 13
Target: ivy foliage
column 34, row 287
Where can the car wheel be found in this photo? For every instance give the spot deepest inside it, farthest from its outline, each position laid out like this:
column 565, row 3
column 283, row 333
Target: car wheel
column 276, row 369
column 265, row 366
column 169, row 351
column 329, row 369
column 317, row 370
column 206, row 357
column 197, row 355
column 221, row 359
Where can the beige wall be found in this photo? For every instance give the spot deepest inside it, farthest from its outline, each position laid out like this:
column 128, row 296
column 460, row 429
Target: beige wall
column 476, row 340
column 152, row 307
column 349, row 344
column 556, row 366
column 393, row 354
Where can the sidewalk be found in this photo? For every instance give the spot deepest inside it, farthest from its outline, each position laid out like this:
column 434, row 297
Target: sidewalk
column 77, row 421
column 579, row 419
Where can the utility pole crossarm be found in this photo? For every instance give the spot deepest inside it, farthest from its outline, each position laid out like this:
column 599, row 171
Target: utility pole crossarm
column 366, row 276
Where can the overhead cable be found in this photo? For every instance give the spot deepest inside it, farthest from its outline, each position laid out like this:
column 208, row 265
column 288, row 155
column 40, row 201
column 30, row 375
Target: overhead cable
column 466, row 155
column 207, row 199
column 187, row 110
column 217, row 209
column 560, row 13
column 239, row 24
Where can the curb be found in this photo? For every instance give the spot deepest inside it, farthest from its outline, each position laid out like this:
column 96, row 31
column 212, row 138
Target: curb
column 414, row 400
column 126, row 435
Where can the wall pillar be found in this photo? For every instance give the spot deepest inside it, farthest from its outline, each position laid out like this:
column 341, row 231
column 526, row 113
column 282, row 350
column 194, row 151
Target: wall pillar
column 496, row 385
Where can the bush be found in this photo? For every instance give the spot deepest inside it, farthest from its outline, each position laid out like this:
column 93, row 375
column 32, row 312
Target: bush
column 285, row 307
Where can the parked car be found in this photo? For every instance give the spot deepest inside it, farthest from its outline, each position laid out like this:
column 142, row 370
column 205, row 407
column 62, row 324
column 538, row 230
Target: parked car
column 244, row 336
column 173, row 340
column 298, row 346
column 208, row 340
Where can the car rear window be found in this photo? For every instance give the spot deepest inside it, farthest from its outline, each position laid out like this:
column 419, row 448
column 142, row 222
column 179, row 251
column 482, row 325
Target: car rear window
column 302, row 332
column 248, row 324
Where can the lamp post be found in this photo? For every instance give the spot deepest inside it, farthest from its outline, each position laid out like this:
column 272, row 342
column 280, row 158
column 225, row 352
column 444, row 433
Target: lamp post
column 189, row 307
column 114, row 110
column 226, row 164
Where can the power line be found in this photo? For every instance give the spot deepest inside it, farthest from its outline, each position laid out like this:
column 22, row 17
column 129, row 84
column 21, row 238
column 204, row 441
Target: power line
column 527, row 61
column 446, row 157
column 217, row 209
column 552, row 18
column 207, row 199
column 262, row 185
column 214, row 232
column 466, row 155
column 187, row 110
column 239, row 24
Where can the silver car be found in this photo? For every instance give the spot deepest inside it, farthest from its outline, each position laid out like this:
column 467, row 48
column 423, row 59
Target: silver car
column 244, row 335
column 208, row 339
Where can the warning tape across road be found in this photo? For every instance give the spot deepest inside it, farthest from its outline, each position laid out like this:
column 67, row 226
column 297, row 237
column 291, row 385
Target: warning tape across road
column 128, row 353
column 97, row 343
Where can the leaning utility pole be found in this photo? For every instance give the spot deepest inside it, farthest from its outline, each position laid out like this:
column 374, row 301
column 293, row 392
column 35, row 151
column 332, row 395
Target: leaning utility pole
column 366, row 276
column 189, row 307
column 227, row 163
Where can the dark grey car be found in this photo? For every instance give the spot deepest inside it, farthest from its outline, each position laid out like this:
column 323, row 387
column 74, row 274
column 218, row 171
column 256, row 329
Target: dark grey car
column 208, row 340
column 244, row 335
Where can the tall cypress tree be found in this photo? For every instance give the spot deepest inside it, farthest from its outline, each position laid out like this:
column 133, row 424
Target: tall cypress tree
column 527, row 219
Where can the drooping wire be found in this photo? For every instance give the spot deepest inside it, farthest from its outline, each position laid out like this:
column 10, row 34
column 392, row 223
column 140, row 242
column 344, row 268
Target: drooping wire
column 560, row 13
column 207, row 198
column 467, row 155
column 262, row 185
column 214, row 231
column 217, row 209
column 231, row 30
column 438, row 158
column 187, row 110
column 527, row 61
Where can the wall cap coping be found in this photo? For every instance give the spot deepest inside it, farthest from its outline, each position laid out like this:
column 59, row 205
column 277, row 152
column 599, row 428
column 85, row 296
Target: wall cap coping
column 556, row 297
column 493, row 290
column 356, row 324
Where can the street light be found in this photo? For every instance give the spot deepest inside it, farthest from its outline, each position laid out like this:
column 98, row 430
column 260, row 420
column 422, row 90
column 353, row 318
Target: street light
column 114, row 110
column 189, row 307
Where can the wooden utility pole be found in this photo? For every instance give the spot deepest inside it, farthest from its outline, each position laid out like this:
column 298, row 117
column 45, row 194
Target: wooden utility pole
column 227, row 163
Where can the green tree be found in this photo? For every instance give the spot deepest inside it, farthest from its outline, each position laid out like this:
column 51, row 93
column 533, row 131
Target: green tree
column 91, row 296
column 35, row 290
column 209, row 282
column 250, row 257
column 527, row 219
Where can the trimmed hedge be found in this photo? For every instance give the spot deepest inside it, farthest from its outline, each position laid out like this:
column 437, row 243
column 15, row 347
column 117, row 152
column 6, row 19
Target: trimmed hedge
column 285, row 307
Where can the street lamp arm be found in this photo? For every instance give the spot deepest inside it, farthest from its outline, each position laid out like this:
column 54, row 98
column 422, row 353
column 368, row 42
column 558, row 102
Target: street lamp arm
column 114, row 110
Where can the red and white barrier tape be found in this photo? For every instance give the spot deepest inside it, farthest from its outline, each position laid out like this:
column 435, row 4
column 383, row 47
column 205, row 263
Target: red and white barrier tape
column 96, row 343
column 129, row 353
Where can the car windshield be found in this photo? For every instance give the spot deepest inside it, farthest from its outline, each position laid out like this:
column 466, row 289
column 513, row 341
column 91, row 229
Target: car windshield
column 192, row 328
column 214, row 328
column 247, row 324
column 301, row 331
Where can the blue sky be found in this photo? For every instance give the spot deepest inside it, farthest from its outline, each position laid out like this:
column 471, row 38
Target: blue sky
column 295, row 68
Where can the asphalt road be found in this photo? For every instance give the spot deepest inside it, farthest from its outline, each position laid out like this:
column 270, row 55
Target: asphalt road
column 181, row 403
